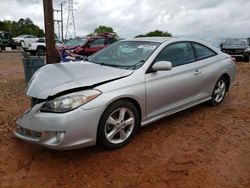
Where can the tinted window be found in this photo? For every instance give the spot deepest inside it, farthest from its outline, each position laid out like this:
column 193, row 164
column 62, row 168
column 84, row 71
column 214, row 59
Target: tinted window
column 41, row 40
column 178, row 54
column 203, row 51
column 98, row 42
column 76, row 42
column 236, row 42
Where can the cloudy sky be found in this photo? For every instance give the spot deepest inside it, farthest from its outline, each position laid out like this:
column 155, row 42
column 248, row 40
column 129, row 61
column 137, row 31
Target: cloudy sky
column 206, row 19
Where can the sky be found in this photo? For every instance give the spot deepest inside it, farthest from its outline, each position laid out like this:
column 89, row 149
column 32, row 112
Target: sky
column 204, row 19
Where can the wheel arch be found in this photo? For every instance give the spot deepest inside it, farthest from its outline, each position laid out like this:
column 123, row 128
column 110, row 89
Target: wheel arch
column 227, row 77
column 40, row 46
column 130, row 99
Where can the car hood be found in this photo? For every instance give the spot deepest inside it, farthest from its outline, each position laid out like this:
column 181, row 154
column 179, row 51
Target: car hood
column 53, row 79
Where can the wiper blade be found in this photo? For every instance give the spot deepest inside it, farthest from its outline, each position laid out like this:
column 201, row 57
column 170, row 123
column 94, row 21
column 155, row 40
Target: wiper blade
column 112, row 65
column 138, row 64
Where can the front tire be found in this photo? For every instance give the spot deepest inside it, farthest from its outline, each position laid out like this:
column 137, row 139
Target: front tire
column 219, row 91
column 118, row 125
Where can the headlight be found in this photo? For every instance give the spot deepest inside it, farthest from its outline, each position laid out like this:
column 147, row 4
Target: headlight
column 69, row 102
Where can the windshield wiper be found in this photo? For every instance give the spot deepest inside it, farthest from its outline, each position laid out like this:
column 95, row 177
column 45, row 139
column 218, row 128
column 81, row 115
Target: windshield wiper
column 138, row 64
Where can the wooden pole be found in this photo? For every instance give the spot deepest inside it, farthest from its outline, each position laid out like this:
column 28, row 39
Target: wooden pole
column 49, row 31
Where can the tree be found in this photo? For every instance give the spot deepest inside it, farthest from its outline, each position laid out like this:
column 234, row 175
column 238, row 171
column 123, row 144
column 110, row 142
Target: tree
column 156, row 33
column 22, row 26
column 103, row 29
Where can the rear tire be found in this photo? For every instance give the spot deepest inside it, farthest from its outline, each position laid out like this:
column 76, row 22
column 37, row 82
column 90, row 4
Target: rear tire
column 40, row 51
column 219, row 92
column 118, row 125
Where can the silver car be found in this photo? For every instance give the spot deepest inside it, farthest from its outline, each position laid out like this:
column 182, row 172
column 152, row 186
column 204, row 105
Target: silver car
column 131, row 83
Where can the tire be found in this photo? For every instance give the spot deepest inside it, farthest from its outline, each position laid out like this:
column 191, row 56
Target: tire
column 40, row 51
column 219, row 91
column 246, row 58
column 117, row 133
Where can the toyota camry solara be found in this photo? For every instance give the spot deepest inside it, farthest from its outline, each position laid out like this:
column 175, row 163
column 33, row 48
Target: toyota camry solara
column 106, row 98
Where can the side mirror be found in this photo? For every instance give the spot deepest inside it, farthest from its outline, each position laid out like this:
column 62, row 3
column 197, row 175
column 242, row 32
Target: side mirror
column 162, row 66
column 221, row 45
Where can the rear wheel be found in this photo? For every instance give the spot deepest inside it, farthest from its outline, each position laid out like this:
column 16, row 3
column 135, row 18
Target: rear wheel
column 40, row 51
column 118, row 125
column 219, row 91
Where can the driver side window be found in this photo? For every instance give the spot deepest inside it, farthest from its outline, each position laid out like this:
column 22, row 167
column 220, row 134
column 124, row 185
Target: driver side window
column 98, row 42
column 178, row 54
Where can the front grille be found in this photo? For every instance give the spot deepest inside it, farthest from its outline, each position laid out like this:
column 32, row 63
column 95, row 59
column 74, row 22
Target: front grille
column 234, row 51
column 28, row 133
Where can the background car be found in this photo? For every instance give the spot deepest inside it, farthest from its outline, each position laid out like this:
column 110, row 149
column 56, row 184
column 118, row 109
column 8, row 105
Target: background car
column 129, row 84
column 20, row 40
column 6, row 40
column 88, row 45
column 39, row 47
column 237, row 47
column 94, row 44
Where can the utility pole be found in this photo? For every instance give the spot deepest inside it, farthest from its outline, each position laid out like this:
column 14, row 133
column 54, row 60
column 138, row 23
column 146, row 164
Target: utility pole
column 60, row 22
column 49, row 31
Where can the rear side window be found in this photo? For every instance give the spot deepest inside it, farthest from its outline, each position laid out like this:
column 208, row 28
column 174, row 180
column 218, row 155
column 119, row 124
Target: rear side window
column 203, row 52
column 178, row 54
column 98, row 42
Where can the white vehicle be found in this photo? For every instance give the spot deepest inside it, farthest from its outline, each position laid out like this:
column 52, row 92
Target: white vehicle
column 24, row 38
column 39, row 47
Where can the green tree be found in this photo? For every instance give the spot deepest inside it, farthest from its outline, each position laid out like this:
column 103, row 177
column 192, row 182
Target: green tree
column 22, row 26
column 103, row 29
column 156, row 33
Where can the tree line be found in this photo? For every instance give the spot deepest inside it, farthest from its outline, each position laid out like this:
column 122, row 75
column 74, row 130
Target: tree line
column 26, row 26
column 20, row 27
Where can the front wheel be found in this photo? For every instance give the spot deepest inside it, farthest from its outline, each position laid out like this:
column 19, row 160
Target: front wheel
column 219, row 92
column 118, row 125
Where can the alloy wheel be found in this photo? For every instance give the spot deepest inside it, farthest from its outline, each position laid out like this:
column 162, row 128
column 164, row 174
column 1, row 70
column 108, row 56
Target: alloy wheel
column 220, row 91
column 119, row 125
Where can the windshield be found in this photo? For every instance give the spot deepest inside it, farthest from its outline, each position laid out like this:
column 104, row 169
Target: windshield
column 125, row 54
column 76, row 42
column 236, row 42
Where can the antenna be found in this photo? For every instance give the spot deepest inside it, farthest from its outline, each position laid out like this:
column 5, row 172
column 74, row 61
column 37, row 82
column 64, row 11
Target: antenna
column 70, row 24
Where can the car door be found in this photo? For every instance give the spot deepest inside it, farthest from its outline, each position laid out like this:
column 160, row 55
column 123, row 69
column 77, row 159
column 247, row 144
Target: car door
column 173, row 89
column 206, row 62
column 95, row 46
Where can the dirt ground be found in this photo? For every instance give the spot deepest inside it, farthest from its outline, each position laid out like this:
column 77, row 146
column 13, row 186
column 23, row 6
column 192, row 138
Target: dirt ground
column 200, row 147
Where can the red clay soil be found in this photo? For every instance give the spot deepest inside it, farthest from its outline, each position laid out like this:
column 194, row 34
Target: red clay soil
column 200, row 147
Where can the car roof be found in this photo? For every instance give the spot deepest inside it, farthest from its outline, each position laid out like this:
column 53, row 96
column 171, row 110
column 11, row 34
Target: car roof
column 150, row 39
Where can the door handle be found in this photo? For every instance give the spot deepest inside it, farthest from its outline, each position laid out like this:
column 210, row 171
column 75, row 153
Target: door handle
column 197, row 72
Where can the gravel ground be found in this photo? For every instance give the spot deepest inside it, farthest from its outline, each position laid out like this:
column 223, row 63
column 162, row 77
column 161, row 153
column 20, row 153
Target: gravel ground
column 200, row 147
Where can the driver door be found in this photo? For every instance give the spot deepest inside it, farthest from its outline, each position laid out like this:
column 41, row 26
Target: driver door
column 173, row 89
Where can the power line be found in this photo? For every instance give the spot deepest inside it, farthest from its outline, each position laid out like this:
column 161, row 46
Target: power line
column 70, row 24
